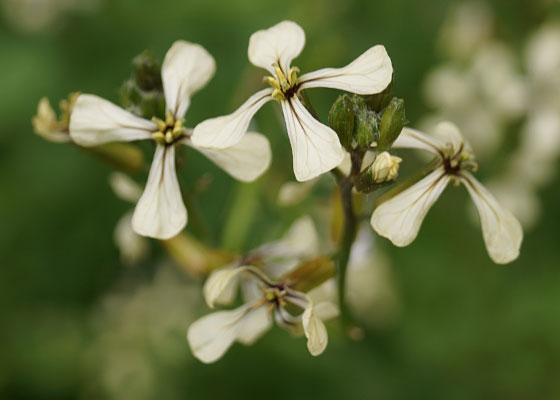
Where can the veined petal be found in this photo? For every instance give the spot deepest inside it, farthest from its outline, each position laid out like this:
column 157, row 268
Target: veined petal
column 220, row 286
column 187, row 68
column 315, row 147
column 502, row 232
column 315, row 331
column 228, row 130
column 414, row 139
column 160, row 212
column 300, row 241
column 399, row 219
column 368, row 74
column 279, row 44
column 246, row 160
column 124, row 187
column 95, row 121
column 446, row 136
column 212, row 335
column 255, row 324
column 326, row 310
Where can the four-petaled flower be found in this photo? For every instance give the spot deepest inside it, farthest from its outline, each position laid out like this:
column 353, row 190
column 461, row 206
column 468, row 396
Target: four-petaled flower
column 400, row 217
column 316, row 148
column 212, row 335
column 160, row 212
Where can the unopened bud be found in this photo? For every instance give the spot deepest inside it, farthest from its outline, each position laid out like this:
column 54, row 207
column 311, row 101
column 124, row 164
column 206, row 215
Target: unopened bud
column 385, row 168
column 341, row 119
column 392, row 122
column 365, row 124
column 377, row 102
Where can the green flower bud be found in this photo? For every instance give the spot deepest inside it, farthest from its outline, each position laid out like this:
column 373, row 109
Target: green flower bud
column 147, row 72
column 377, row 102
column 392, row 122
column 365, row 124
column 341, row 119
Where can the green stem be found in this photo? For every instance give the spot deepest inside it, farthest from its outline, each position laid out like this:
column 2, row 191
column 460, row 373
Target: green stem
column 348, row 236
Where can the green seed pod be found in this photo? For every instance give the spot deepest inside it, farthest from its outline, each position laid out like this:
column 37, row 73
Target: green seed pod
column 341, row 119
column 392, row 122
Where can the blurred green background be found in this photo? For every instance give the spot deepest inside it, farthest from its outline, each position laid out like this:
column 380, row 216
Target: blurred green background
column 466, row 329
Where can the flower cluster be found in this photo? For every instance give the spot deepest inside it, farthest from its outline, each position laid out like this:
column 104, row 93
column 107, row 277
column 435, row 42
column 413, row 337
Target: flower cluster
column 296, row 281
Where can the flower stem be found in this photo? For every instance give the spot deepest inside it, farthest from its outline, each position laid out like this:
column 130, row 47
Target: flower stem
column 348, row 236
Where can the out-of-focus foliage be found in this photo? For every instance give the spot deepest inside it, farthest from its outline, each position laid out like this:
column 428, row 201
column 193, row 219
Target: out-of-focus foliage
column 70, row 311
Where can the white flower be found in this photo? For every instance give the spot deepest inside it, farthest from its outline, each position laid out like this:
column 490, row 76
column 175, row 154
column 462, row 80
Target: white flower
column 160, row 212
column 212, row 335
column 266, row 295
column 315, row 147
column 385, row 167
column 400, row 217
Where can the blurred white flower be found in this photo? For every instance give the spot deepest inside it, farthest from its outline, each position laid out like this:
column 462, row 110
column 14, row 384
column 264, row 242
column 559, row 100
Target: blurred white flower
column 139, row 339
column 160, row 212
column 316, row 148
column 468, row 24
column 399, row 218
column 36, row 16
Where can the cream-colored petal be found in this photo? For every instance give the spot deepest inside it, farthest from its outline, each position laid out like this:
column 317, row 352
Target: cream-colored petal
column 315, row 147
column 95, row 121
column 502, row 232
column 399, row 218
column 221, row 285
column 187, row 68
column 212, row 335
column 414, row 139
column 446, row 136
column 255, row 324
column 326, row 310
column 246, row 160
column 279, row 44
column 160, row 212
column 132, row 246
column 228, row 130
column 368, row 74
column 124, row 187
column 300, row 241
column 292, row 193
column 315, row 331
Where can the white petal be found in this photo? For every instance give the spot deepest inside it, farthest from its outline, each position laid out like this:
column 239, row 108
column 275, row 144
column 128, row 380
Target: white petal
column 95, row 121
column 300, row 241
column 292, row 193
column 124, row 187
column 277, row 45
column 315, row 147
column 160, row 212
column 502, row 232
column 220, row 286
column 399, row 218
column 132, row 246
column 315, row 331
column 446, row 136
column 414, row 139
column 368, row 74
column 228, row 130
column 187, row 68
column 212, row 335
column 245, row 161
column 326, row 310
column 255, row 324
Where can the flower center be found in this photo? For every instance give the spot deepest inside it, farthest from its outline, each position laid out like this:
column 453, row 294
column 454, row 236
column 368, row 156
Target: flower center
column 454, row 162
column 284, row 86
column 169, row 131
column 275, row 295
